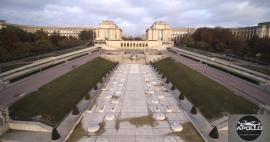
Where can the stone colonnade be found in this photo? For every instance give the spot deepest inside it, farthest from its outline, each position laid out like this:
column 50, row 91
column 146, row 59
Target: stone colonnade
column 134, row 45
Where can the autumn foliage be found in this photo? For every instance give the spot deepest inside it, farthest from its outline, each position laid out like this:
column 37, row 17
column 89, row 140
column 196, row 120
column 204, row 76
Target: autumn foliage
column 221, row 40
column 16, row 43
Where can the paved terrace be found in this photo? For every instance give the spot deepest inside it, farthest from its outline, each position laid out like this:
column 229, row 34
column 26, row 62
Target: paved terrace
column 130, row 108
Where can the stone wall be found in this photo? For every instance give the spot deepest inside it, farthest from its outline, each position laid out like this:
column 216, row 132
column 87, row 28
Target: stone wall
column 106, row 30
column 3, row 129
column 29, row 126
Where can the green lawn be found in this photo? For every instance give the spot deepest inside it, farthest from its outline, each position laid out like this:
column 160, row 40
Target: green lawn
column 52, row 102
column 211, row 98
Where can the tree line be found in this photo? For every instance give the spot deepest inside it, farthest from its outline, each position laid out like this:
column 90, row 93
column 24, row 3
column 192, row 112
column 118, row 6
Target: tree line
column 221, row 40
column 16, row 43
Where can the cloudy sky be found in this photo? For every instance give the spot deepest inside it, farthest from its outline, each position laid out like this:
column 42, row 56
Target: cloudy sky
column 135, row 16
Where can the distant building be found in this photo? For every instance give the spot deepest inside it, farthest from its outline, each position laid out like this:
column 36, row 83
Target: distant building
column 261, row 31
column 106, row 30
column 159, row 35
column 2, row 24
column 161, row 31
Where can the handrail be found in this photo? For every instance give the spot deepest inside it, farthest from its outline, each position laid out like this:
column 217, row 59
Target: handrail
column 43, row 63
column 225, row 62
column 260, row 77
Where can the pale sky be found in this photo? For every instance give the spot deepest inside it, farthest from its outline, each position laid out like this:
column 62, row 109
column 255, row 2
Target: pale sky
column 135, row 16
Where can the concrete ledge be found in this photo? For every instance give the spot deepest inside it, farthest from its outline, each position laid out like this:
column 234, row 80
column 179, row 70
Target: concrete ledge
column 3, row 129
column 251, row 74
column 29, row 126
column 43, row 63
column 92, row 93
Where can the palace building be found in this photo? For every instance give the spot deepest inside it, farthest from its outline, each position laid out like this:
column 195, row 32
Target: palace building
column 159, row 35
column 261, row 31
column 106, row 30
column 161, row 31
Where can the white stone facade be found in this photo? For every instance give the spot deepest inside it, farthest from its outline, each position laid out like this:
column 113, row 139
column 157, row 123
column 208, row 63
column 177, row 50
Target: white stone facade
column 106, row 30
column 261, row 31
column 161, row 31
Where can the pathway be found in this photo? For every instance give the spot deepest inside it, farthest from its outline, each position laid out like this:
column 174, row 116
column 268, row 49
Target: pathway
column 128, row 107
